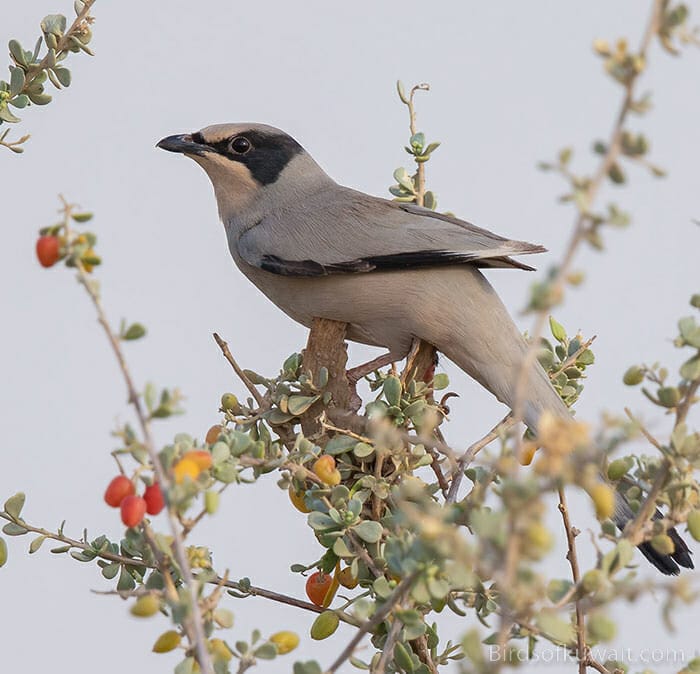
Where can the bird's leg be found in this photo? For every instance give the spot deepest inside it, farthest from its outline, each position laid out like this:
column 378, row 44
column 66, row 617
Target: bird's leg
column 356, row 373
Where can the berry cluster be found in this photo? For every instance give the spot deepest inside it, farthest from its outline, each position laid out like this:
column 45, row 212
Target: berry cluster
column 121, row 493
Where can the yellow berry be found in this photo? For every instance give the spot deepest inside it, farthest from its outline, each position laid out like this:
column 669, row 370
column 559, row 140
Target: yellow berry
column 146, row 606
column 220, row 650
column 167, row 641
column 285, row 641
column 325, row 470
column 604, row 500
column 230, row 403
column 185, row 468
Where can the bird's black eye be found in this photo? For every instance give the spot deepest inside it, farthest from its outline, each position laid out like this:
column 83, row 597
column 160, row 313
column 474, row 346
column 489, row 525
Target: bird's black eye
column 240, row 145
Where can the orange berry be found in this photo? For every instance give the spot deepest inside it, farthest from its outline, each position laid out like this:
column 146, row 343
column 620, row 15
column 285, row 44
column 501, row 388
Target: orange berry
column 154, row 499
column 133, row 508
column 325, row 470
column 48, row 250
column 317, row 586
column 118, row 489
column 185, row 468
column 200, row 457
column 213, row 434
column 297, row 499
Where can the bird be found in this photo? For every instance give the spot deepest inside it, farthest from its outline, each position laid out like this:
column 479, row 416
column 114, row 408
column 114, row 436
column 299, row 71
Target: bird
column 392, row 271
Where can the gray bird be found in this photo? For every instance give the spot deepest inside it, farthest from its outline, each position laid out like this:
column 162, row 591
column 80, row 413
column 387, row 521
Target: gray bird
column 392, row 271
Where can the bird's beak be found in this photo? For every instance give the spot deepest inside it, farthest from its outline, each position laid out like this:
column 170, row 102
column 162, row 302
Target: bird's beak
column 182, row 143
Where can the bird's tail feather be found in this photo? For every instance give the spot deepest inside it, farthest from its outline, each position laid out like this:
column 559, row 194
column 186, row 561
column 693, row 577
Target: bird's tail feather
column 496, row 363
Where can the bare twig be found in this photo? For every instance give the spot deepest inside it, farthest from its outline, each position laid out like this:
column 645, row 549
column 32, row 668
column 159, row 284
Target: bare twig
column 254, row 591
column 686, row 402
column 420, row 171
column 583, row 220
column 194, row 624
column 236, row 368
column 386, row 608
column 581, row 648
column 388, row 648
column 634, row 529
column 463, row 462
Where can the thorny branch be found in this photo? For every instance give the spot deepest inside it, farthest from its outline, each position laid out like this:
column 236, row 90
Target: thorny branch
column 397, row 596
column 194, row 624
column 584, row 217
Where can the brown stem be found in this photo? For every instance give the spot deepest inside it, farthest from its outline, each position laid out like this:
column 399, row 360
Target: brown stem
column 236, row 368
column 382, row 612
column 581, row 648
column 420, row 170
column 180, row 554
column 503, row 425
column 583, row 219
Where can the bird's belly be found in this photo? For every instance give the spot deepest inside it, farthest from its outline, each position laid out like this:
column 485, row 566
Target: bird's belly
column 365, row 302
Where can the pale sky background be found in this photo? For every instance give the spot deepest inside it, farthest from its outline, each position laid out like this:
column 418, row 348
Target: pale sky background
column 512, row 82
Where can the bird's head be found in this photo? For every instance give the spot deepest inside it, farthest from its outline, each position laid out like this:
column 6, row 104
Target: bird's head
column 249, row 165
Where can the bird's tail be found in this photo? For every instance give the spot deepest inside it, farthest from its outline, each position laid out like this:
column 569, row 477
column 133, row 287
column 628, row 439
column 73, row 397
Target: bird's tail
column 485, row 343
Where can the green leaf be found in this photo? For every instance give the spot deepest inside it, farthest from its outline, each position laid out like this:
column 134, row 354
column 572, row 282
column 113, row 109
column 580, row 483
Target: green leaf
column 309, row 667
column 690, row 370
column 267, row 651
column 111, row 570
column 63, row 75
column 134, row 331
column 616, row 174
column 36, row 544
column 555, row 628
column 7, row 116
column 339, row 444
column 3, row 552
column 557, row 588
column 440, row 381
column 17, row 80
column 368, row 531
column 126, row 582
column 186, row 666
column 223, row 617
column 404, row 99
column 12, row 529
column 558, row 331
column 392, row 390
column 14, row 505
column 618, row 558
column 61, row 549
column 54, row 24
column 362, row 450
column 82, row 217
column 297, row 405
column 21, row 101
column 17, row 52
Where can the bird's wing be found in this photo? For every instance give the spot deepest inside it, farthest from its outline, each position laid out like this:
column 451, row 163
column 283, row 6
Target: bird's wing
column 344, row 231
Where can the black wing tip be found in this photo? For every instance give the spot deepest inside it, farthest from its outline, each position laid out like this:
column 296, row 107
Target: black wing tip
column 669, row 565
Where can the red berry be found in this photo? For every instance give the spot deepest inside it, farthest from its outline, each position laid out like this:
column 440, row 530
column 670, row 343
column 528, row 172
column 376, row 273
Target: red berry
column 154, row 499
column 133, row 509
column 317, row 586
column 48, row 250
column 118, row 489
